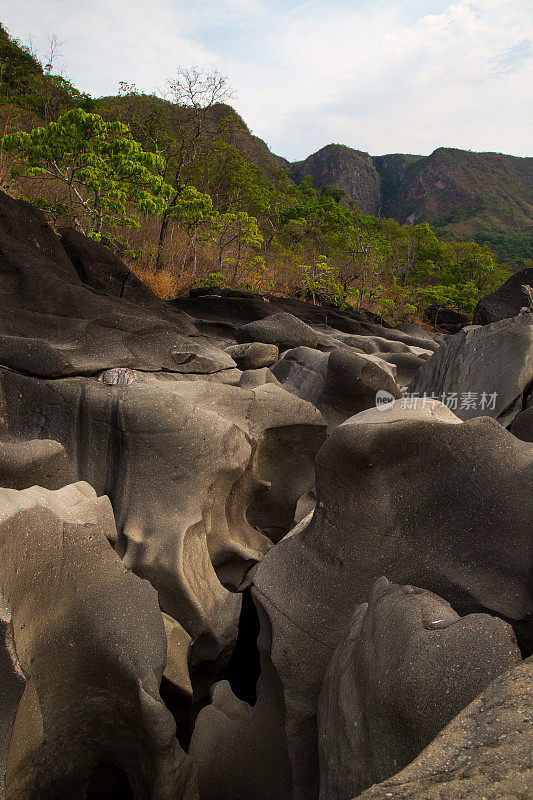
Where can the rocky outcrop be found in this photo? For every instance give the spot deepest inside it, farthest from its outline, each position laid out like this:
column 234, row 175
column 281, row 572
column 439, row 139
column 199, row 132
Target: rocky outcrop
column 507, row 301
column 485, row 753
column 429, row 505
column 204, row 422
column 226, row 468
column 341, row 167
column 406, row 666
column 482, row 371
column 83, row 655
column 54, row 324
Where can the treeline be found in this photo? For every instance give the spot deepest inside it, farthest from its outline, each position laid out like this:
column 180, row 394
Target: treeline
column 167, row 182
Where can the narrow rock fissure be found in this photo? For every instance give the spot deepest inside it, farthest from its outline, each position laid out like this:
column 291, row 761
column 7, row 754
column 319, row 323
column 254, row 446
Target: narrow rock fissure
column 244, row 666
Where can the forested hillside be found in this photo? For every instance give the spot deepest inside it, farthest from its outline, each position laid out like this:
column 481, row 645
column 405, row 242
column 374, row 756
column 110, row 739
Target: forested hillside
column 187, row 194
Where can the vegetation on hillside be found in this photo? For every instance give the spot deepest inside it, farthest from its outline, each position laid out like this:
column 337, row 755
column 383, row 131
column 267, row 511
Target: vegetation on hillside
column 170, row 182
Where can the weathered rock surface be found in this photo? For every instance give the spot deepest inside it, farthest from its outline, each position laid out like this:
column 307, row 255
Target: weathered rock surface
column 485, row 753
column 83, row 656
column 433, row 502
column 407, row 665
column 491, row 364
column 202, row 477
column 504, row 302
column 52, row 324
column 339, row 384
column 40, row 462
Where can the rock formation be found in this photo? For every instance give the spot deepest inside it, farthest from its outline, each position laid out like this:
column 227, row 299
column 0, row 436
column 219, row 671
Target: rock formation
column 406, row 666
column 490, row 366
column 212, row 602
column 485, row 753
column 505, row 302
column 83, row 656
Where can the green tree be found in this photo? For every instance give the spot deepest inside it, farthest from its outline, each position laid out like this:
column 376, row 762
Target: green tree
column 108, row 176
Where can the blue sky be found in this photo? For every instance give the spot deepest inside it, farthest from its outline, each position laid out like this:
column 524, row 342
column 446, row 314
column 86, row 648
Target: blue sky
column 386, row 76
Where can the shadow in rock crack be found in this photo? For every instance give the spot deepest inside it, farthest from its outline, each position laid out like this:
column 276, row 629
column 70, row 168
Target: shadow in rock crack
column 244, row 667
column 109, row 783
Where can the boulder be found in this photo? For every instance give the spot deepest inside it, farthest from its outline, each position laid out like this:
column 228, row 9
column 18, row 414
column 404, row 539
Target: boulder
column 405, row 667
column 253, row 355
column 339, row 384
column 83, row 655
column 505, row 302
column 485, row 753
column 410, row 493
column 283, row 330
column 482, row 371
column 39, row 462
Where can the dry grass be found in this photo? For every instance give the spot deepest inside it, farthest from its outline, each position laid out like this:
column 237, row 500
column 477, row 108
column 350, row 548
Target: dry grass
column 162, row 283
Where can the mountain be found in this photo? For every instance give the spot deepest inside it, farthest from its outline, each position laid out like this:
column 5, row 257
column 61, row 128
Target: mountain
column 350, row 170
column 483, row 196
column 464, row 195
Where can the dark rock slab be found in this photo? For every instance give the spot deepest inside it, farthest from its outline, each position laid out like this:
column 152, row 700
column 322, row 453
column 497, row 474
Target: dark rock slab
column 86, row 646
column 407, row 665
column 446, row 318
column 485, row 753
column 52, row 324
column 504, row 302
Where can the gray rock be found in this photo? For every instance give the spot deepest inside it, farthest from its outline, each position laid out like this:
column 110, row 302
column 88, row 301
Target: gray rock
column 339, row 384
column 485, row 753
column 283, row 330
column 202, row 477
column 492, row 364
column 412, row 494
column 253, row 355
column 504, row 302
column 406, row 666
column 52, row 324
column 83, row 655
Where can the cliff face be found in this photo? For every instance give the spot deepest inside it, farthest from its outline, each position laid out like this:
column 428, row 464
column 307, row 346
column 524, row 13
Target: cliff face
column 343, row 168
column 460, row 190
column 486, row 196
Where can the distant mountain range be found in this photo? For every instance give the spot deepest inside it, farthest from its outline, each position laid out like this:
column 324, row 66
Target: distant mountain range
column 463, row 195
column 486, row 196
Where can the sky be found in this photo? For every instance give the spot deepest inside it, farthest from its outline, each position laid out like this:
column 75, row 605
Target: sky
column 384, row 77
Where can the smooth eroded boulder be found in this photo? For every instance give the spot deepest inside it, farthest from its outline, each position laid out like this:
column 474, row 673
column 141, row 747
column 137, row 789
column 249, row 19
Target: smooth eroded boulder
column 405, row 667
column 83, row 653
column 485, row 753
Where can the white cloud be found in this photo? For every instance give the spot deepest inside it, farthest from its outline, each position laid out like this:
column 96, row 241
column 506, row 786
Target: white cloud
column 382, row 76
